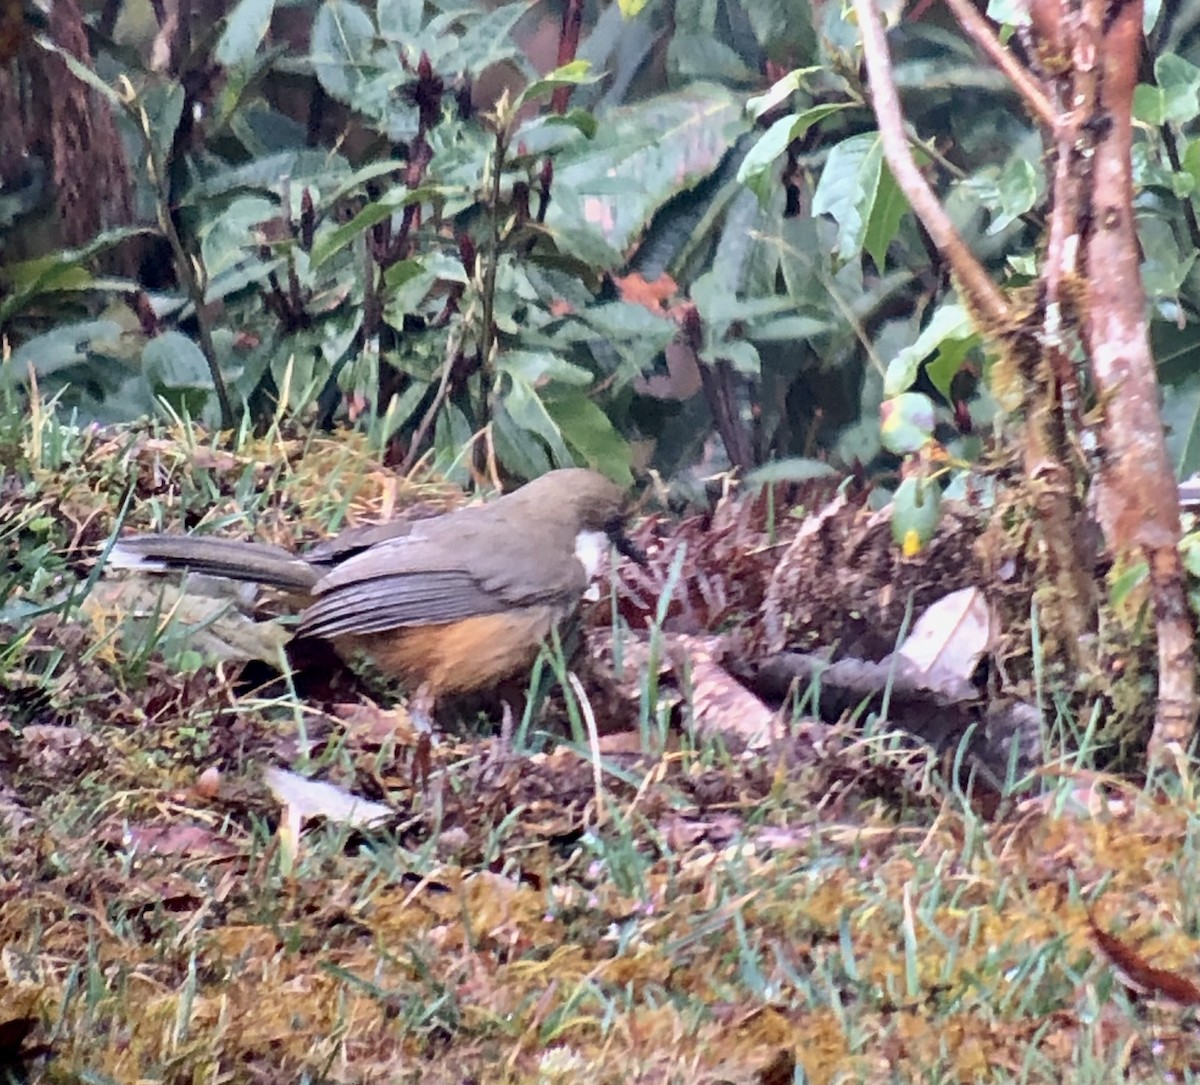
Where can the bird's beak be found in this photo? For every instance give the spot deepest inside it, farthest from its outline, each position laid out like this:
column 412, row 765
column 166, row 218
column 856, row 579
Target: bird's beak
column 623, row 544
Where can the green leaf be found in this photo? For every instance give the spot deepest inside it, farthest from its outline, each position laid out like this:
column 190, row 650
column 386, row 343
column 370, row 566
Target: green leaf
column 916, row 512
column 518, row 449
column 244, row 31
column 702, row 55
column 588, row 430
column 1149, row 105
column 451, row 441
column 668, row 144
column 574, row 74
column 848, row 189
column 1181, row 417
column 343, row 38
column 1179, row 80
column 949, row 324
column 64, row 346
column 740, row 353
column 789, row 328
column 329, row 242
column 631, row 8
column 83, row 72
column 173, row 361
column 537, row 367
column 529, row 412
column 781, row 90
column 400, row 20
column 945, row 364
column 487, row 40
column 883, row 223
column 230, row 239
column 163, row 107
column 793, row 469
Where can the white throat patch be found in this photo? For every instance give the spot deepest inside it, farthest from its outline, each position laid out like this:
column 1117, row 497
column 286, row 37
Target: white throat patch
column 591, row 548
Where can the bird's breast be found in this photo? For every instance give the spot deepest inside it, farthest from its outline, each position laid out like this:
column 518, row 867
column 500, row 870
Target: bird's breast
column 459, row 657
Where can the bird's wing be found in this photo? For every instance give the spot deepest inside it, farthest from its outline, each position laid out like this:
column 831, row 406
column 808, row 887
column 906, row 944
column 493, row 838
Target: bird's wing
column 445, row 573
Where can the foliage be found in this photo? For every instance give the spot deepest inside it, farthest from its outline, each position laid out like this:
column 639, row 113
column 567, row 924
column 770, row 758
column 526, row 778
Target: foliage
column 450, row 264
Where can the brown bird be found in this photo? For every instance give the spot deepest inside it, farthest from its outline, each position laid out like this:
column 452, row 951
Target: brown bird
column 450, row 604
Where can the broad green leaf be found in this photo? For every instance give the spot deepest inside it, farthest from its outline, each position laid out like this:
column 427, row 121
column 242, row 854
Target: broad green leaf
column 1179, row 80
column 172, row 360
column 487, row 40
column 163, row 107
column 948, row 360
column 668, row 144
column 1181, row 417
column 1191, row 163
column 581, row 120
column 343, row 38
column 529, row 412
column 329, row 242
column 237, row 277
column 227, row 241
column 702, row 55
column 848, row 189
column 64, row 346
column 537, row 367
column 740, row 353
column 1165, row 266
column 754, row 170
column 1149, row 105
column 589, row 431
column 244, row 31
column 793, row 469
column 400, row 20
column 785, row 328
column 519, row 450
column 949, row 323
column 452, row 442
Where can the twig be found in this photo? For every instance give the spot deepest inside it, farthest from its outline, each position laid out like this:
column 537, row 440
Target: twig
column 453, row 342
column 981, row 293
column 981, row 33
column 568, row 46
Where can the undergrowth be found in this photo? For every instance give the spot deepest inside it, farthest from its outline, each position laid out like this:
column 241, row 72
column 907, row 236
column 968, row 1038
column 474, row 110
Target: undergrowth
column 655, row 908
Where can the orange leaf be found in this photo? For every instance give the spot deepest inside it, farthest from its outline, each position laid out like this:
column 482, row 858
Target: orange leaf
column 652, row 295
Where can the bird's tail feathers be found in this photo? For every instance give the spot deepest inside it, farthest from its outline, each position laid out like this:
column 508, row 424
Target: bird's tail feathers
column 231, row 558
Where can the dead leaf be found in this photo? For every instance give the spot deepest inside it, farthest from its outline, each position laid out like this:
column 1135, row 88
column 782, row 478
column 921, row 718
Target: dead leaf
column 651, row 295
column 948, row 641
column 1136, row 972
column 218, row 630
column 177, row 840
column 305, row 799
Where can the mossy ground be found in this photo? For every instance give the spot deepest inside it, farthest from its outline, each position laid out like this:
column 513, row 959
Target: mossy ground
column 836, row 914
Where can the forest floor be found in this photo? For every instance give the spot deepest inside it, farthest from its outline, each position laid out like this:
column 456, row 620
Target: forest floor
column 528, row 903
